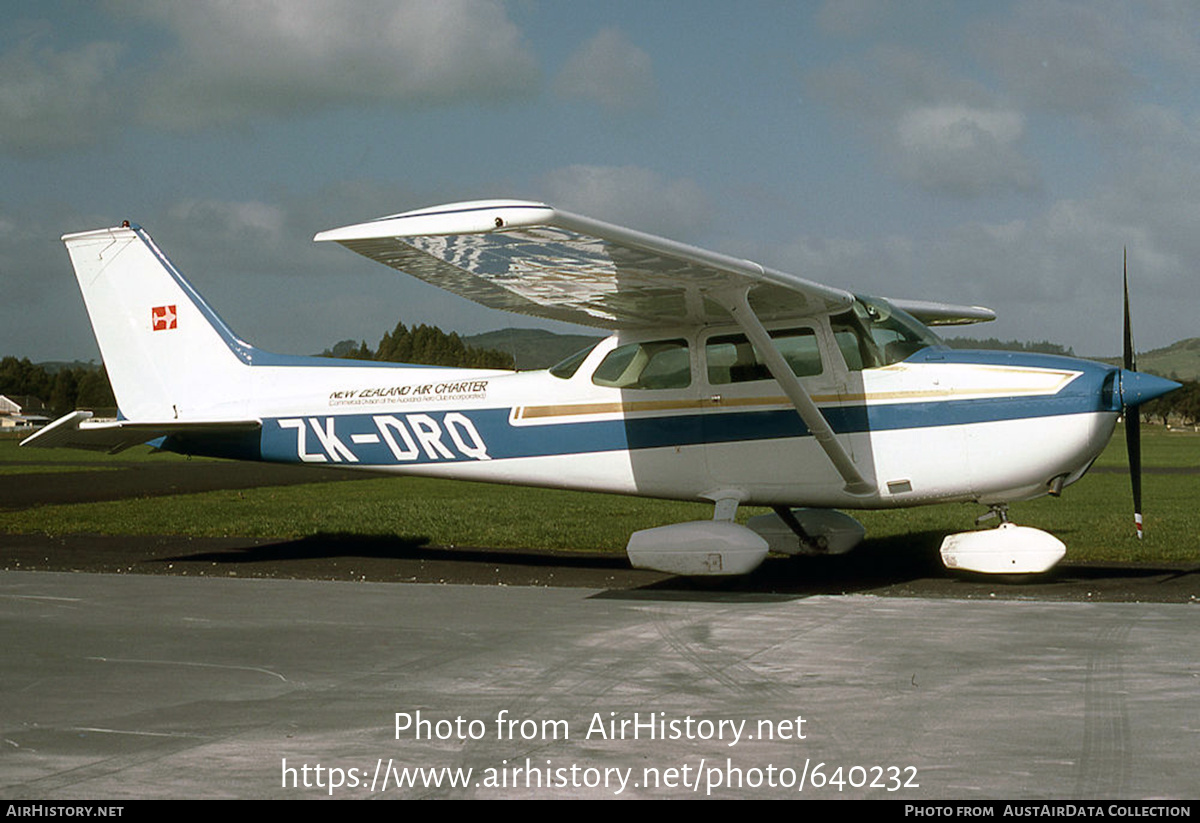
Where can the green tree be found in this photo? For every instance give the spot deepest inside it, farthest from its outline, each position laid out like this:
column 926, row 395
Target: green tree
column 95, row 390
column 24, row 378
column 430, row 346
column 64, row 392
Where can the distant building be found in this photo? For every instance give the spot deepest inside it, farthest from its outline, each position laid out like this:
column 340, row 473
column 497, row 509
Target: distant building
column 21, row 411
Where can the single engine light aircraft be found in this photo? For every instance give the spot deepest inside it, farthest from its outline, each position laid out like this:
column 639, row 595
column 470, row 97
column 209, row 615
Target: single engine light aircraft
column 723, row 381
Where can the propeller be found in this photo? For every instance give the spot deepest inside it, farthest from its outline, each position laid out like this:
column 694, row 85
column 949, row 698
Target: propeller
column 1136, row 388
column 1133, row 419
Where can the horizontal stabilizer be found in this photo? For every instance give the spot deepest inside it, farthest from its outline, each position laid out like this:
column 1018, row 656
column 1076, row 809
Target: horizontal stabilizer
column 78, row 431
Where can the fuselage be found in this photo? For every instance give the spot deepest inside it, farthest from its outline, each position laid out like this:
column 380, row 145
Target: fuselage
column 673, row 414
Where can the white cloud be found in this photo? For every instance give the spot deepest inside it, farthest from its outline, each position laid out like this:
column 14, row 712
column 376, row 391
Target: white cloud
column 957, row 128
column 631, row 196
column 1170, row 31
column 41, row 313
column 962, row 150
column 236, row 61
column 52, row 100
column 254, row 221
column 887, row 80
column 256, row 264
column 934, row 127
column 1053, row 273
column 609, row 70
column 240, row 60
column 864, row 18
column 852, row 18
column 1068, row 58
column 826, row 257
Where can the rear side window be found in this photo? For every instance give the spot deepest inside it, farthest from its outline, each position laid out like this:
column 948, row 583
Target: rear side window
column 661, row 364
column 732, row 358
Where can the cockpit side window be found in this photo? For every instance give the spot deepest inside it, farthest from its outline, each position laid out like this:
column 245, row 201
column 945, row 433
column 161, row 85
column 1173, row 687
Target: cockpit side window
column 660, row 364
column 854, row 342
column 732, row 358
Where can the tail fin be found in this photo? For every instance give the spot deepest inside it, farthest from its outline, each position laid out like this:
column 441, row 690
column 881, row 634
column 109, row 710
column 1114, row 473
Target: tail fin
column 169, row 356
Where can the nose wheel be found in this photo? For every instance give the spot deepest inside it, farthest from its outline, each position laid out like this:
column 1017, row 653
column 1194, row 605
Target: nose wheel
column 1006, row 549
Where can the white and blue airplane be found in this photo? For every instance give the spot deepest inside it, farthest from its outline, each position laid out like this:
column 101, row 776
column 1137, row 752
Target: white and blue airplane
column 723, row 381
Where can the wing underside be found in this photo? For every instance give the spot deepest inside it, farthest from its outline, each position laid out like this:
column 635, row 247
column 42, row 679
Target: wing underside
column 532, row 259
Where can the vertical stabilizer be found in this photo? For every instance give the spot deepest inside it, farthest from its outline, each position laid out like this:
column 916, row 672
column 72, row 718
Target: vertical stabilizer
column 169, row 356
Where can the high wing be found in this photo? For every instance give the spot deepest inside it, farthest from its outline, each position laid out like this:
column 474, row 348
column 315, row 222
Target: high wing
column 533, row 259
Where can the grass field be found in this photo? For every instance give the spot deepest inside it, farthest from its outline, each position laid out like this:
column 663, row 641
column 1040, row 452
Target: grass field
column 1093, row 517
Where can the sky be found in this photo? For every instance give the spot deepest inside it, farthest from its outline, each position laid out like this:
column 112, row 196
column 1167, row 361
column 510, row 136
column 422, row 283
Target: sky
column 988, row 153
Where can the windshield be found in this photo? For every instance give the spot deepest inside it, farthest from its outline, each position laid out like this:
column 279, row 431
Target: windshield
column 567, row 368
column 876, row 333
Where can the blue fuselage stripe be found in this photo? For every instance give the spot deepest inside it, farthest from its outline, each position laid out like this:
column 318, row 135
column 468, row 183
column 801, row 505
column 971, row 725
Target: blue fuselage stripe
column 432, row 437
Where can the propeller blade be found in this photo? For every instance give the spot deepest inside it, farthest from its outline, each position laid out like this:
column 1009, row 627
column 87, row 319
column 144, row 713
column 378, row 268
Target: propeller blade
column 1130, row 361
column 1133, row 447
column 1133, row 418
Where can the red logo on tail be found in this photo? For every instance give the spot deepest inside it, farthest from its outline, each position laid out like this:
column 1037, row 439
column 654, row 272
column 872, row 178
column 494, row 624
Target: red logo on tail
column 162, row 318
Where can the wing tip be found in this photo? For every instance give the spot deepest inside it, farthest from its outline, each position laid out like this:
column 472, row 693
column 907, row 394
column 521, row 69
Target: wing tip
column 944, row 314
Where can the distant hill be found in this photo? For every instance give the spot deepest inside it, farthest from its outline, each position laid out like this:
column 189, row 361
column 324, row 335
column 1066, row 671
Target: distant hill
column 55, row 366
column 532, row 348
column 993, row 343
column 1178, row 361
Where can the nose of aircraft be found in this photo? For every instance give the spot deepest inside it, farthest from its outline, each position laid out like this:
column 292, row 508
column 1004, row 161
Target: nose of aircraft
column 1139, row 387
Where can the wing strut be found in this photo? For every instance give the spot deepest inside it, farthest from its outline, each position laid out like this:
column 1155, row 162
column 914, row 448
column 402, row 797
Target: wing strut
column 738, row 304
